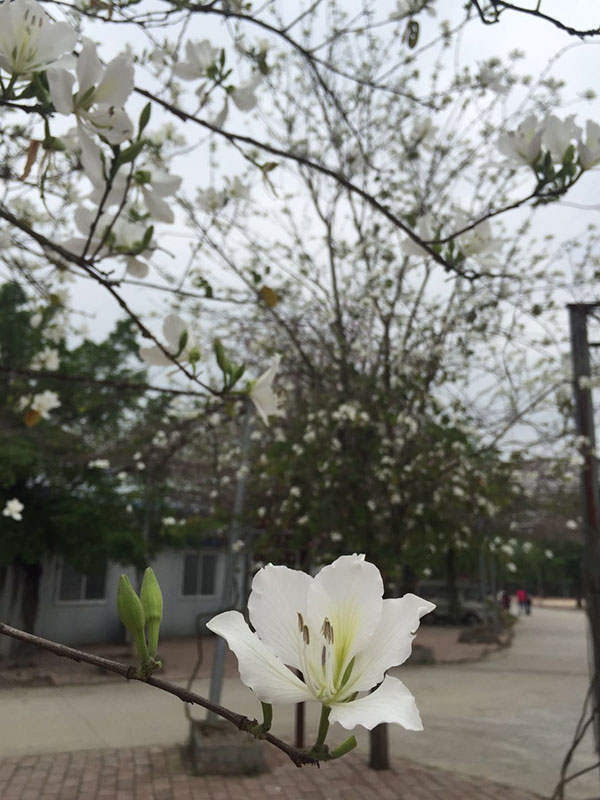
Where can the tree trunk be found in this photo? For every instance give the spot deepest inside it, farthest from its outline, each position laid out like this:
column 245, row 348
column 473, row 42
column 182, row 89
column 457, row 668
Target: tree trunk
column 453, row 608
column 378, row 747
column 31, row 577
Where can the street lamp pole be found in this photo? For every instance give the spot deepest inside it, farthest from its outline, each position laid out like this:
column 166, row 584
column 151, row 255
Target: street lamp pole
column 584, row 418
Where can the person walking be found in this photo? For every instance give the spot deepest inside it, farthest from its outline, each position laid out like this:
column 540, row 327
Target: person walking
column 522, row 601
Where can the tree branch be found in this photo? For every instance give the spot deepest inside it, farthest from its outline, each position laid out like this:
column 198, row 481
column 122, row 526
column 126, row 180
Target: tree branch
column 243, row 723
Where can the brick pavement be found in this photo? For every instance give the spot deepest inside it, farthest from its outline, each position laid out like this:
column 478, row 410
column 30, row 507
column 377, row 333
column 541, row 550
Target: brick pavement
column 153, row 773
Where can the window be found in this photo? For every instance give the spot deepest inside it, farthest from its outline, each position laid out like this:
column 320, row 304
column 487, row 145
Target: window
column 77, row 587
column 199, row 574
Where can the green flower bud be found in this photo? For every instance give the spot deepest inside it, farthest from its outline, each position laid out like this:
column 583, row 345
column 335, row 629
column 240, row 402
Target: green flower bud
column 152, row 602
column 131, row 613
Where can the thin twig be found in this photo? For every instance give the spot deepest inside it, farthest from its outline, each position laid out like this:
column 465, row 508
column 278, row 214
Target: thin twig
column 131, row 673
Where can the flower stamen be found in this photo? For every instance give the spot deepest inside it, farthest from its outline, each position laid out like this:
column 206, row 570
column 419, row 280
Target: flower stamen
column 327, row 631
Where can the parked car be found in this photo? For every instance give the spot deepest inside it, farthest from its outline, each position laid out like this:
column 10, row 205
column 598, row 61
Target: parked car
column 472, row 611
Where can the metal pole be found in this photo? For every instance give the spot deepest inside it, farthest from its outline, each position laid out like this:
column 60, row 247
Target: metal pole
column 584, row 418
column 218, row 667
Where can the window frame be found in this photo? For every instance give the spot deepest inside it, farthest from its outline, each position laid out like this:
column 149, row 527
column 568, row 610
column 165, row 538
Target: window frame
column 83, row 585
column 200, row 554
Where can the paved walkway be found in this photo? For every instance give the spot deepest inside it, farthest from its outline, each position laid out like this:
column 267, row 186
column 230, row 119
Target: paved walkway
column 160, row 774
column 508, row 718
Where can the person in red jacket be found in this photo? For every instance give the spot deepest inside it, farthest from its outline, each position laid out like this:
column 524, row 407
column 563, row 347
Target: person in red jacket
column 522, row 600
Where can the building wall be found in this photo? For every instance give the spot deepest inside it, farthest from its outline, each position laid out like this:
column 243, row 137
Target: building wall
column 97, row 621
column 80, row 622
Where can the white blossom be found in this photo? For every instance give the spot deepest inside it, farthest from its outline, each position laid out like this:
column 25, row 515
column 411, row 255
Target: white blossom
column 46, row 359
column 99, row 463
column 589, row 151
column 175, row 331
column 13, row 509
column 262, row 395
column 199, row 56
column 44, row 403
column 523, row 145
column 337, row 631
column 30, row 40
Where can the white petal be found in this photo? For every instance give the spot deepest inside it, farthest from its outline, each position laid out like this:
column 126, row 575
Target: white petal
column 155, row 357
column 137, row 268
column 112, row 123
column 278, row 595
column 57, row 38
column 187, row 72
column 349, row 593
column 89, row 68
column 60, row 84
column 263, row 672
column 391, row 702
column 159, row 209
column 163, row 184
column 391, row 643
column 90, row 159
column 173, row 328
column 117, row 83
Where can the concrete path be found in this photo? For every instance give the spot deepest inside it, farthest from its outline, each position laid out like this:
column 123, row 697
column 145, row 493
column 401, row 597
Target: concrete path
column 508, row 718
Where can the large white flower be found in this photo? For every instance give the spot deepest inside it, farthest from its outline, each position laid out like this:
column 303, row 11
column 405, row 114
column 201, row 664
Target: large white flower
column 266, row 402
column 100, row 96
column 523, row 145
column 338, row 631
column 173, row 328
column 29, row 40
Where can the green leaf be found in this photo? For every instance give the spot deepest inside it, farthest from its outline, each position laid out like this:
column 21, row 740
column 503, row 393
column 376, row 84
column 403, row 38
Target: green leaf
column 144, row 118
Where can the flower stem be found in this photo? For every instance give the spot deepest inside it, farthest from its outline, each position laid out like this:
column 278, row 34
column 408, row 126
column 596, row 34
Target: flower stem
column 267, row 709
column 323, row 728
column 343, row 748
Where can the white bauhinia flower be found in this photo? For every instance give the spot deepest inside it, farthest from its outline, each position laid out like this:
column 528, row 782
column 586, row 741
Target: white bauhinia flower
column 46, row 359
column 210, row 199
column 30, row 40
column 199, row 56
column 124, row 235
column 44, row 403
column 559, row 134
column 589, row 151
column 100, row 96
column 479, row 243
column 266, row 402
column 548, row 553
column 523, row 145
column 99, row 463
column 244, row 95
column 153, row 184
column 13, row 509
column 404, row 8
column 424, row 232
column 511, row 567
column 338, row 631
column 174, row 330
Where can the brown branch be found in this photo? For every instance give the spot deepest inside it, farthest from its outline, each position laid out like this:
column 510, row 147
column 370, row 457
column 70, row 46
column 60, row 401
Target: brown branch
column 236, row 138
column 28, row 372
column 90, row 269
column 501, row 5
column 243, row 723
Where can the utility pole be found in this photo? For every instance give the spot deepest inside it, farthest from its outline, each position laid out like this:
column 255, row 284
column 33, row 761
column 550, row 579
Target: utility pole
column 584, row 417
